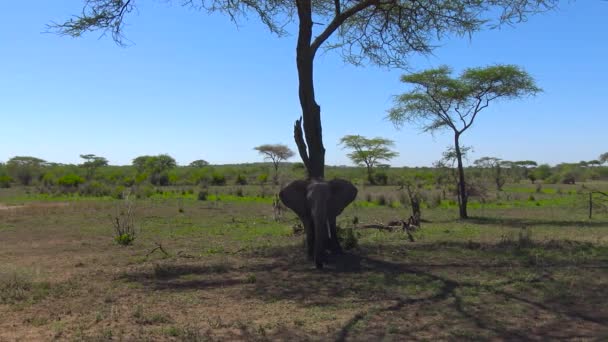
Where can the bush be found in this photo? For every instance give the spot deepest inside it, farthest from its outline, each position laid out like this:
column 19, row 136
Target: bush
column 5, row 181
column 382, row 200
column 124, row 222
column 218, row 179
column 144, row 191
column 94, row 188
column 70, row 181
column 241, row 180
column 348, row 238
column 118, row 192
column 263, row 178
column 202, row 195
column 124, row 239
column 381, row 178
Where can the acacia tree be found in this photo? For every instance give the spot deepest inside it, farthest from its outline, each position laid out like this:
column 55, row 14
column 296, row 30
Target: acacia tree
column 603, row 158
column 157, row 167
column 368, row 152
column 383, row 32
column 495, row 165
column 439, row 101
column 92, row 163
column 276, row 153
column 199, row 163
column 25, row 168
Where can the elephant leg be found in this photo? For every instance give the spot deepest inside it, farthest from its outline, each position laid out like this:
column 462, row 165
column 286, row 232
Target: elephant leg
column 334, row 243
column 310, row 236
column 319, row 251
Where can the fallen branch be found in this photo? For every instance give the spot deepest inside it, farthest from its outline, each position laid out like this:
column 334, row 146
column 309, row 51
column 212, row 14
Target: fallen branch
column 158, row 247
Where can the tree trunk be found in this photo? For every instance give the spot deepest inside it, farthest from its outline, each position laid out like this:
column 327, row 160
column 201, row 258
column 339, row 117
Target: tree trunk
column 370, row 177
column 311, row 112
column 462, row 188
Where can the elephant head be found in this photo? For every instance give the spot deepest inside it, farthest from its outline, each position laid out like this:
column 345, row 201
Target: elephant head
column 317, row 203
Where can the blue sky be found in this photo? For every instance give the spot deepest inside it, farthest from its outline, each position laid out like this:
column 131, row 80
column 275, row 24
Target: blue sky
column 196, row 86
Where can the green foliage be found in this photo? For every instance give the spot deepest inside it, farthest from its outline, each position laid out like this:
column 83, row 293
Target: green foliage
column 124, row 239
column 368, row 152
column 5, row 181
column 70, row 181
column 241, row 180
column 95, row 189
column 200, row 163
column 218, row 179
column 25, row 169
column 202, row 195
column 380, row 178
column 349, row 239
column 263, row 178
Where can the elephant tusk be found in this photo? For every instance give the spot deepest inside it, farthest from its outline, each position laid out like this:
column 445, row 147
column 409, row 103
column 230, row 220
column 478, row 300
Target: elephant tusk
column 328, row 229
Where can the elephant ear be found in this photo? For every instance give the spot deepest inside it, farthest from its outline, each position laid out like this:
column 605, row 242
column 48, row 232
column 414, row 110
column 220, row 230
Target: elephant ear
column 294, row 197
column 343, row 193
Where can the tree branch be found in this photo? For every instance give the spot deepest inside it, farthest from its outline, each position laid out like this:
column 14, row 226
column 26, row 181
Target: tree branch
column 299, row 138
column 338, row 20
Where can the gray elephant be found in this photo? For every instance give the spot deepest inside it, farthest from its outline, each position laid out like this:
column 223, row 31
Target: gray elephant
column 317, row 203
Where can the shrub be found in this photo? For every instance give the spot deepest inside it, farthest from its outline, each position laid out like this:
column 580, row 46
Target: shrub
column 348, row 238
column 218, row 179
column 124, row 222
column 94, row 188
column 202, row 195
column 118, row 192
column 263, row 178
column 382, row 200
column 241, row 180
column 144, row 191
column 381, row 178
column 5, row 181
column 70, row 181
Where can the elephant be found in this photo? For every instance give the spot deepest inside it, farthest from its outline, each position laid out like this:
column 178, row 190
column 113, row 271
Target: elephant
column 317, row 203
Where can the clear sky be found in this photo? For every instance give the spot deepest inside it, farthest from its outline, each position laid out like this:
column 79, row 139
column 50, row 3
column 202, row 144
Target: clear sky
column 198, row 87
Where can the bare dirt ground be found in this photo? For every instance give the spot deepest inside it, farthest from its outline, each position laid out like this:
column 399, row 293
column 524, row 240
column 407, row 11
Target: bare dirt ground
column 233, row 274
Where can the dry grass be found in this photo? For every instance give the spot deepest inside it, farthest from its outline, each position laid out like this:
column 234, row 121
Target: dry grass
column 233, row 273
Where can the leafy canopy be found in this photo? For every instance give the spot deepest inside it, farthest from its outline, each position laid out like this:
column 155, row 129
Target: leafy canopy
column 439, row 101
column 383, row 32
column 275, row 152
column 368, row 152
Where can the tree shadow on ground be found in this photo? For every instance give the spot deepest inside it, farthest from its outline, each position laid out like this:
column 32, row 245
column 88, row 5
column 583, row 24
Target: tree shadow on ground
column 528, row 222
column 380, row 296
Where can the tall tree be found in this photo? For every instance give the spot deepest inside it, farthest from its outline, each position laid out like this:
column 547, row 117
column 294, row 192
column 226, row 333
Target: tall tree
column 603, row 158
column 92, row 163
column 439, row 101
column 276, row 153
column 25, row 168
column 368, row 152
column 383, row 32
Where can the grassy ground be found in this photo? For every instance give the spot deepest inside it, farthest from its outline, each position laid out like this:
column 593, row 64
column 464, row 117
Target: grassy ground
column 516, row 271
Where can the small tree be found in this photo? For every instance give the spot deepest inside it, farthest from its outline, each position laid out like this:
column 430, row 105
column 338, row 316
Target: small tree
column 157, row 167
column 526, row 166
column 368, row 152
column 275, row 153
column 495, row 166
column 603, row 158
column 92, row 163
column 439, row 101
column 200, row 163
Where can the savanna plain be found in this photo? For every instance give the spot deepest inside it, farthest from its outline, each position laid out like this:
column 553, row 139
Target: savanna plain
column 528, row 265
